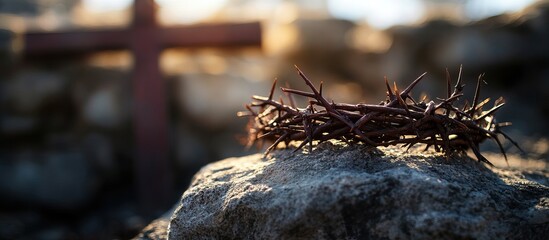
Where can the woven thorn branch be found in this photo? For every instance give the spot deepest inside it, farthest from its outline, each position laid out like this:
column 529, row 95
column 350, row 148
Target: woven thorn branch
column 398, row 120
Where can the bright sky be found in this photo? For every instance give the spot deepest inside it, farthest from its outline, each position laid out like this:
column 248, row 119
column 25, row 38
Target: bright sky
column 381, row 14
column 478, row 9
column 106, row 5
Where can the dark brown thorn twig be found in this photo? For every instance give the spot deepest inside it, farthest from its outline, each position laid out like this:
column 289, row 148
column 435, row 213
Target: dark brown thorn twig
column 273, row 146
column 489, row 112
column 272, row 89
column 332, row 112
column 395, row 121
column 410, row 146
column 298, row 92
column 481, row 104
column 445, row 138
column 389, row 91
column 301, row 145
column 408, row 89
column 448, row 84
column 500, row 146
column 289, row 95
column 320, row 88
column 459, row 87
column 512, row 141
column 307, row 81
column 401, row 101
column 251, row 110
column 477, row 153
column 412, row 99
column 499, row 101
column 504, row 124
column 476, row 96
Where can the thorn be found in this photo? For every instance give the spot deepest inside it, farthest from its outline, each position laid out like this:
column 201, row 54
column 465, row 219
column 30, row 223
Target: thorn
column 311, row 86
column 243, row 114
column 411, row 98
column 273, row 146
column 503, row 124
column 300, row 145
column 320, row 88
column 448, row 84
column 465, row 106
column 489, row 112
column 413, row 84
column 410, row 146
column 476, row 96
column 389, row 91
column 512, row 141
column 401, row 101
column 290, row 97
column 363, row 120
column 298, row 92
column 272, row 89
column 481, row 104
column 459, row 87
column 423, row 97
column 251, row 110
column 500, row 146
column 445, row 138
column 477, row 153
column 499, row 101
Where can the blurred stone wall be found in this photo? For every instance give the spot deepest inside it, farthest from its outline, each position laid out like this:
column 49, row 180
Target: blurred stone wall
column 511, row 49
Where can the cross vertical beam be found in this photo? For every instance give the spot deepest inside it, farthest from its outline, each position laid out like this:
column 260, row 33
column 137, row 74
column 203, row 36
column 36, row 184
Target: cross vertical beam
column 152, row 168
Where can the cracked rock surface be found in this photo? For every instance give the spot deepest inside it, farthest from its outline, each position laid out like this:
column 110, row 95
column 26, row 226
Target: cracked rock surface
column 352, row 192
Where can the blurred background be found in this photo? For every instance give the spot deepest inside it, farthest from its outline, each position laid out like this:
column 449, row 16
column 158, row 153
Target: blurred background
column 68, row 148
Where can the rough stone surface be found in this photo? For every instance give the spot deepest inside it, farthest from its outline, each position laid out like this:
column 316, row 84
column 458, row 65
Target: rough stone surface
column 342, row 192
column 157, row 230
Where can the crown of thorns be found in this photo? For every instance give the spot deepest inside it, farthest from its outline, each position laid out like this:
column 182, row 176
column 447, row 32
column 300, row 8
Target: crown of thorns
column 399, row 120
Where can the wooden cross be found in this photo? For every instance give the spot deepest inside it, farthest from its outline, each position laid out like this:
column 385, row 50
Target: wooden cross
column 146, row 39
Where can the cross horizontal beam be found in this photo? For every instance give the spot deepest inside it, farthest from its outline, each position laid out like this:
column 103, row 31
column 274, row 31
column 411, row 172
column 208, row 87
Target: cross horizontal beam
column 214, row 35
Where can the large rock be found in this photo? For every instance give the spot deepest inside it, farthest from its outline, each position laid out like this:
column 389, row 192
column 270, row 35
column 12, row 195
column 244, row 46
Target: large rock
column 341, row 192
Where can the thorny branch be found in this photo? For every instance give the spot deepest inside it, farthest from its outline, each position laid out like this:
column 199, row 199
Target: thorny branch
column 400, row 119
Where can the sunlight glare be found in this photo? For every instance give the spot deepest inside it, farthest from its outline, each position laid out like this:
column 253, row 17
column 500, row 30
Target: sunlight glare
column 106, row 5
column 380, row 14
column 188, row 11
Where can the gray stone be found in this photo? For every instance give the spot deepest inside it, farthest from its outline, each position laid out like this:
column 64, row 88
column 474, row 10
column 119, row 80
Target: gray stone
column 11, row 125
column 103, row 109
column 351, row 192
column 102, row 97
column 7, row 51
column 32, row 90
column 58, row 180
column 157, row 229
column 211, row 98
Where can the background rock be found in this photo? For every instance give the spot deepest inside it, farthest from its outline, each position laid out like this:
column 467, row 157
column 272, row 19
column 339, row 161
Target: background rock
column 34, row 90
column 342, row 192
column 56, row 179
